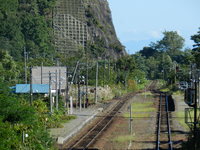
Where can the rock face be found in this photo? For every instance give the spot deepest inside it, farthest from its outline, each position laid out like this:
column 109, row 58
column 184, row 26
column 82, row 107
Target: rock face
column 101, row 29
column 87, row 24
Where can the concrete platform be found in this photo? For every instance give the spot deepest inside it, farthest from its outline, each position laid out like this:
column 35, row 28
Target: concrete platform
column 73, row 126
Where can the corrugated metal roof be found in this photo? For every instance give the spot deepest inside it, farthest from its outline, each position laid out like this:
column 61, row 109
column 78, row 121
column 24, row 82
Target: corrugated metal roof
column 37, row 88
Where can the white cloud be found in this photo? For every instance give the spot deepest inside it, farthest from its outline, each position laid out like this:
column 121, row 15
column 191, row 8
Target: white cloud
column 155, row 34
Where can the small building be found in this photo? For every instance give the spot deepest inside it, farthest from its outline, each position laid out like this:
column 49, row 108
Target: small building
column 40, row 75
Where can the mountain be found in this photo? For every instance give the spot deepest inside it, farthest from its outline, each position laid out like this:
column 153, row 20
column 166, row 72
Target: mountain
column 86, row 25
column 46, row 29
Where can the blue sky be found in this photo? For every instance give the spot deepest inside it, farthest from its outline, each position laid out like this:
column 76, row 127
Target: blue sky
column 140, row 22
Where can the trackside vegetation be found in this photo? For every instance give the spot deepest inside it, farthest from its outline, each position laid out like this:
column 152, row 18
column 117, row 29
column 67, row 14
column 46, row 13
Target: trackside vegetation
column 26, row 25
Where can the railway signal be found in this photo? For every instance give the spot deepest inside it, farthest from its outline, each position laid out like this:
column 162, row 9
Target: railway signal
column 192, row 98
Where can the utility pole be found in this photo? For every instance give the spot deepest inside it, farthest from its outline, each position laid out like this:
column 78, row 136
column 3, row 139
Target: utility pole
column 130, row 120
column 96, row 94
column 130, row 127
column 86, row 81
column 59, row 76
column 50, row 94
column 175, row 72
column 195, row 116
column 67, row 90
column 25, row 65
column 31, row 88
column 79, row 90
column 76, row 82
column 83, row 95
column 104, row 70
column 56, row 90
column 195, row 80
column 109, row 70
column 41, row 72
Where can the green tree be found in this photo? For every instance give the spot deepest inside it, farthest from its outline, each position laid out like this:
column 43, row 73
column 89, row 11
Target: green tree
column 188, row 58
column 8, row 67
column 24, row 23
column 196, row 49
column 171, row 43
column 148, row 52
column 126, row 63
column 11, row 38
column 140, row 62
column 16, row 117
column 152, row 65
column 162, row 63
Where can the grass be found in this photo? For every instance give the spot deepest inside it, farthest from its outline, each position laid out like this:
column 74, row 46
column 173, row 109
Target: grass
column 165, row 90
column 123, row 138
column 137, row 115
column 145, row 109
column 181, row 119
column 147, row 93
column 191, row 114
column 141, row 110
column 178, row 93
column 141, row 105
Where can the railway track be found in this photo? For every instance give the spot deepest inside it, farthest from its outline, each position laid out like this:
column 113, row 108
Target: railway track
column 163, row 124
column 89, row 138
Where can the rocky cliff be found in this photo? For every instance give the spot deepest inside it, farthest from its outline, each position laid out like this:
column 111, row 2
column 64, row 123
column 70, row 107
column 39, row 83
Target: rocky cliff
column 87, row 24
column 101, row 29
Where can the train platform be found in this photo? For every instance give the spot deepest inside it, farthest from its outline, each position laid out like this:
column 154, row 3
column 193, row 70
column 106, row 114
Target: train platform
column 70, row 128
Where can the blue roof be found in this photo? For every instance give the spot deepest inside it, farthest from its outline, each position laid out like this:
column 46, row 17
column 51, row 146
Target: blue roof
column 37, row 88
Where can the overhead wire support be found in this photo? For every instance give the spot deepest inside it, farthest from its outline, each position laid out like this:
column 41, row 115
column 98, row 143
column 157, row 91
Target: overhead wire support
column 25, row 65
column 56, row 87
column 96, row 85
column 86, row 84
column 67, row 90
column 77, row 64
column 195, row 115
column 31, row 87
column 50, row 94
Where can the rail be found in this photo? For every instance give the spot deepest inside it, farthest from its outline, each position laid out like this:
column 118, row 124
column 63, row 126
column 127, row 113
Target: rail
column 94, row 132
column 163, row 116
column 168, row 124
column 85, row 141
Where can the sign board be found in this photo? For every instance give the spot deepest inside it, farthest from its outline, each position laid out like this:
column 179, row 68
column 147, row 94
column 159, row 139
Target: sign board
column 183, row 85
column 189, row 97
